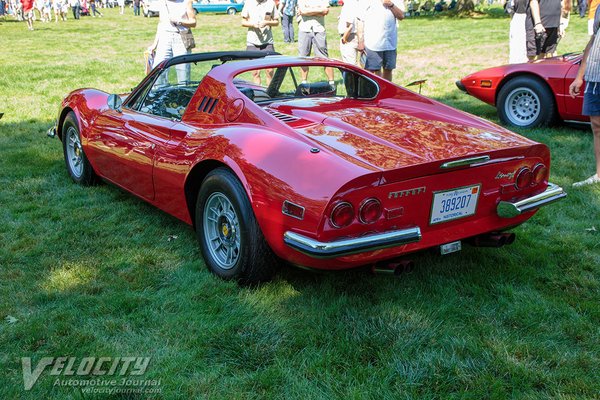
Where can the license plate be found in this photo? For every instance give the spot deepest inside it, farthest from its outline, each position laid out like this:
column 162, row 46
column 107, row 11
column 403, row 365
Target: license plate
column 453, row 204
column 450, row 247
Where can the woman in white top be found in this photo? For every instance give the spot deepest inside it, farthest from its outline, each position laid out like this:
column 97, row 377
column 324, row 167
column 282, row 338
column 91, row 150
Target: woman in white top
column 175, row 16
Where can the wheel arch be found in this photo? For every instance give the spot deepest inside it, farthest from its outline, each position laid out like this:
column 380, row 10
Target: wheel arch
column 517, row 74
column 61, row 120
column 195, row 178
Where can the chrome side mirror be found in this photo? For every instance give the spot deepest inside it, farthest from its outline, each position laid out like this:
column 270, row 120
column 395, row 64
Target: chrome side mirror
column 114, row 102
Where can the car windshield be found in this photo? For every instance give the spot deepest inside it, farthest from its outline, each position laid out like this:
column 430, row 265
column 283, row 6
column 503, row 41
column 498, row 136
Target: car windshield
column 289, row 82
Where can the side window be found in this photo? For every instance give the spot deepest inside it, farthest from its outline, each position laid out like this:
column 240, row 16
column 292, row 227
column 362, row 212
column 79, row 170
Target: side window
column 170, row 94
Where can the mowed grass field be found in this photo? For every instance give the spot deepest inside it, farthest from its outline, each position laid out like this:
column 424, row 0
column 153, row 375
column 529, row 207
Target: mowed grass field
column 93, row 272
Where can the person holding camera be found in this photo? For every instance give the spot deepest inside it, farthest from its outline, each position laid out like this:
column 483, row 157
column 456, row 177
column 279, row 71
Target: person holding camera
column 545, row 26
column 259, row 16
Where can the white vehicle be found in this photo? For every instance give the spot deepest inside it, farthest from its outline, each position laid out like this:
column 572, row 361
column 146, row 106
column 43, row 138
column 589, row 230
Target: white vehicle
column 150, row 8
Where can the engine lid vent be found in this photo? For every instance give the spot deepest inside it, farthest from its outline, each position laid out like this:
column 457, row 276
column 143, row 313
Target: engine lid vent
column 282, row 116
column 208, row 104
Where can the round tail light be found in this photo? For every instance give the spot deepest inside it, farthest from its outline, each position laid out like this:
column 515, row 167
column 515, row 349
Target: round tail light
column 540, row 173
column 524, row 178
column 342, row 215
column 370, row 211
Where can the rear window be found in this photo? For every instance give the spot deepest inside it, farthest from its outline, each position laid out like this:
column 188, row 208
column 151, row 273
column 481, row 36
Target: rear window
column 274, row 84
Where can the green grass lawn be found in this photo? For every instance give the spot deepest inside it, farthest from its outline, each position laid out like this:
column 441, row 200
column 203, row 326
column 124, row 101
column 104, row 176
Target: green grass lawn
column 92, row 272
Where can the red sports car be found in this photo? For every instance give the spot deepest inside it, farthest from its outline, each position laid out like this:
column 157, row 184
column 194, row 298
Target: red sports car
column 531, row 94
column 321, row 175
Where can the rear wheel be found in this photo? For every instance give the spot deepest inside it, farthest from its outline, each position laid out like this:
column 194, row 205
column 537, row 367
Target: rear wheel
column 526, row 102
column 231, row 241
column 78, row 166
column 231, row 11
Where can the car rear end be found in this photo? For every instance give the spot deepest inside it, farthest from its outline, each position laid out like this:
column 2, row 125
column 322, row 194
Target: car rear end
column 437, row 205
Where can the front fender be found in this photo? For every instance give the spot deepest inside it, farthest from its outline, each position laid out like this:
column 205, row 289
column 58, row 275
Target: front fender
column 85, row 103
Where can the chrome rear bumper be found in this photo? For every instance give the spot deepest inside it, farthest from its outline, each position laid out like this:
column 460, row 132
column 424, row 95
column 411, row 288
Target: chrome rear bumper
column 506, row 209
column 344, row 247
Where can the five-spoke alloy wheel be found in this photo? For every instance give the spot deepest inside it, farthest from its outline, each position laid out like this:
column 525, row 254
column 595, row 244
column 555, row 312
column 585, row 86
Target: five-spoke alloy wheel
column 78, row 166
column 231, row 241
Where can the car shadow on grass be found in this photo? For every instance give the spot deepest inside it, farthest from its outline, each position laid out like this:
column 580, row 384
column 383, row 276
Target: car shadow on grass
column 95, row 271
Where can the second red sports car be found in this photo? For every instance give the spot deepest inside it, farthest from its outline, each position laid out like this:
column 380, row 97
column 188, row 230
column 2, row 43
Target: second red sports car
column 531, row 94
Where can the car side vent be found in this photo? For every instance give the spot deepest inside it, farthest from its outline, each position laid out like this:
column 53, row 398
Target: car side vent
column 282, row 116
column 208, row 104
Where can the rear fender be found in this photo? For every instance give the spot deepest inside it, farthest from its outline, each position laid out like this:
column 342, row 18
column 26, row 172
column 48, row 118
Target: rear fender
column 274, row 168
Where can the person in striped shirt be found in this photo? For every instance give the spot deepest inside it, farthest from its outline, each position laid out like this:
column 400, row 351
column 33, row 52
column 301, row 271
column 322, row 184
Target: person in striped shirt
column 589, row 70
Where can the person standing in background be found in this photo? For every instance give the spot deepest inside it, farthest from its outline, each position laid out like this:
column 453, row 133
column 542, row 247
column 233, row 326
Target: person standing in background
column 311, row 33
column 57, row 5
column 136, row 7
column 378, row 34
column 94, row 9
column 517, row 44
column 542, row 25
column 287, row 9
column 589, row 70
column 47, row 11
column 174, row 16
column 593, row 5
column 347, row 30
column 76, row 8
column 259, row 16
column 28, row 13
column 121, row 6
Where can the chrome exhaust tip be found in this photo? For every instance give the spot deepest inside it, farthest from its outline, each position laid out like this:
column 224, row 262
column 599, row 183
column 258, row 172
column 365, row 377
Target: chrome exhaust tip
column 396, row 268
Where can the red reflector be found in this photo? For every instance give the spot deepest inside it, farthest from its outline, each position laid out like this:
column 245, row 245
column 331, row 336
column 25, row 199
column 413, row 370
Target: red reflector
column 524, row 178
column 293, row 210
column 370, row 211
column 540, row 173
column 342, row 215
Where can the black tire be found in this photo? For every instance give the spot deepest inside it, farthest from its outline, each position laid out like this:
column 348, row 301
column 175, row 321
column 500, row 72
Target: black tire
column 239, row 235
column 231, row 11
column 526, row 102
column 78, row 166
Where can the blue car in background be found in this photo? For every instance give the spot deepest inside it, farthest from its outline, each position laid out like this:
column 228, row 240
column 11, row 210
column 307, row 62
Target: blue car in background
column 217, row 7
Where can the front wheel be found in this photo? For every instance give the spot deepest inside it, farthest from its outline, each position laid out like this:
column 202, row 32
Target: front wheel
column 78, row 166
column 231, row 241
column 526, row 102
column 231, row 11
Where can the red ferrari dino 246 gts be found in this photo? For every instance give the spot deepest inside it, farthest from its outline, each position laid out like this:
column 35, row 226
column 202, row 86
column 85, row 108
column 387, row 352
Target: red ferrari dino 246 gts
column 319, row 175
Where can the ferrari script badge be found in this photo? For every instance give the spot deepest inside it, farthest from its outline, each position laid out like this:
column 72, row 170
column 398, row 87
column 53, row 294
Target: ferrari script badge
column 408, row 192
